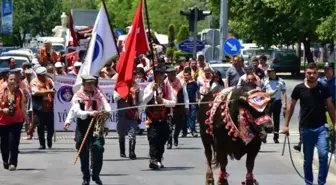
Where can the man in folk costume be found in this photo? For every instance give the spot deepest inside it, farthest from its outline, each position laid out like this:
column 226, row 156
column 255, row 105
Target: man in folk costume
column 128, row 120
column 158, row 130
column 87, row 104
column 42, row 90
column 179, row 111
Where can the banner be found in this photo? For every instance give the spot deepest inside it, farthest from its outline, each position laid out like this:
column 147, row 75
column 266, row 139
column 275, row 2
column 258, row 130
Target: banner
column 64, row 94
column 7, row 17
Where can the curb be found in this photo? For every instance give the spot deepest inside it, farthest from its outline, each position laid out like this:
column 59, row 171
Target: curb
column 332, row 168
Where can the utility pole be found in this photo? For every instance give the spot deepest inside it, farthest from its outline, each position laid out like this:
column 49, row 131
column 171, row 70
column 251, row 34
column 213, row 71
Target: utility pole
column 223, row 26
column 195, row 35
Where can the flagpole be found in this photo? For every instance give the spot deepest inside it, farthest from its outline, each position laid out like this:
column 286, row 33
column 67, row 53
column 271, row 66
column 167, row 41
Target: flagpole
column 150, row 37
column 111, row 26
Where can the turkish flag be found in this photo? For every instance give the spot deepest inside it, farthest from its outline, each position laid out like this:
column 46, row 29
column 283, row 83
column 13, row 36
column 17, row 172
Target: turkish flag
column 73, row 33
column 136, row 43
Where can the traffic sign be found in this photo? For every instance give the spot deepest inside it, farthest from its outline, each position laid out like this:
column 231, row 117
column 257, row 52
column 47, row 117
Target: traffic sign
column 232, row 46
column 118, row 32
column 188, row 45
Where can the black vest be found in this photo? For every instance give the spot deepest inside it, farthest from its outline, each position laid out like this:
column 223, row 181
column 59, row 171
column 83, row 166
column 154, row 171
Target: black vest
column 156, row 113
column 179, row 109
column 131, row 113
column 83, row 125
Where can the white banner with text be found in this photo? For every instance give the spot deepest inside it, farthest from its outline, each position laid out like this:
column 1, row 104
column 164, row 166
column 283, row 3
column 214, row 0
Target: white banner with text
column 64, row 94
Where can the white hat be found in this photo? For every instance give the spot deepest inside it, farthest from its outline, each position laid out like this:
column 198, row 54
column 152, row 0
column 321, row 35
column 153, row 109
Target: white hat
column 140, row 65
column 70, row 68
column 35, row 61
column 41, row 70
column 58, row 64
column 77, row 64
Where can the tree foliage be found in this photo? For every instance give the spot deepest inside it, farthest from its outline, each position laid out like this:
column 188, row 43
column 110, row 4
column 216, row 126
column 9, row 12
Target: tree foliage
column 183, row 33
column 171, row 35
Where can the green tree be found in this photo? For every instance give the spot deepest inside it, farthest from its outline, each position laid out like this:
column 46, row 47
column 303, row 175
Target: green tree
column 35, row 17
column 183, row 33
column 171, row 35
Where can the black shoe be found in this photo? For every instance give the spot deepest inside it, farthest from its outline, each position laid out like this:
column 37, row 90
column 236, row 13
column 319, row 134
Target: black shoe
column 169, row 146
column 184, row 135
column 49, row 143
column 122, row 148
column 160, row 164
column 5, row 166
column 193, row 134
column 122, row 155
column 97, row 180
column 42, row 147
column 297, row 148
column 85, row 182
column 276, row 141
column 176, row 142
column 153, row 164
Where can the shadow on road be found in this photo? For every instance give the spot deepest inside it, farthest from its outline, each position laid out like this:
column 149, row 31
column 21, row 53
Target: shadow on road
column 113, row 175
column 29, row 169
column 126, row 159
column 180, row 168
column 267, row 151
column 187, row 148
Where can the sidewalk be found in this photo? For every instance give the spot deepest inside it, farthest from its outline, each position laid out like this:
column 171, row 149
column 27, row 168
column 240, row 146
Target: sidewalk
column 332, row 168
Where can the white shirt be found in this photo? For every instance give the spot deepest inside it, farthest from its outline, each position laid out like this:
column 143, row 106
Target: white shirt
column 83, row 114
column 149, row 94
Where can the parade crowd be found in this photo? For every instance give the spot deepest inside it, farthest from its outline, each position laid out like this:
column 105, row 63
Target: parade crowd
column 27, row 97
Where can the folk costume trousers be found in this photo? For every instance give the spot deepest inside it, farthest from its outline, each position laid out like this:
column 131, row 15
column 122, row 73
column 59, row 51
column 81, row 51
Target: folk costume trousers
column 94, row 145
column 127, row 127
column 157, row 134
column 175, row 127
column 10, row 147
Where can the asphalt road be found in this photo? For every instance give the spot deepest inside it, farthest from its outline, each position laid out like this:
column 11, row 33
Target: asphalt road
column 184, row 164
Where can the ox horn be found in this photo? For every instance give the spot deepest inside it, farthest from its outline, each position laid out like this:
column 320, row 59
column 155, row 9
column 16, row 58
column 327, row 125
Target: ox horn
column 253, row 91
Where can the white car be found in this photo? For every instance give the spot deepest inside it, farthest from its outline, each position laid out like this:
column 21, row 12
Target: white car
column 4, row 60
column 19, row 53
column 222, row 68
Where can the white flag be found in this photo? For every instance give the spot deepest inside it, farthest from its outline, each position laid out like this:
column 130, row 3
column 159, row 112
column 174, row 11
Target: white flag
column 101, row 49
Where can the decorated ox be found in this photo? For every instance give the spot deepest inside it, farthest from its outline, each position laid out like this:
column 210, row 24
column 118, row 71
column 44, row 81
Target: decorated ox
column 233, row 125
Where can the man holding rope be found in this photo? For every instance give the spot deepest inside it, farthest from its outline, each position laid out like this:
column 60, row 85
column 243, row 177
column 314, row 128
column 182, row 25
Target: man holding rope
column 90, row 107
column 314, row 98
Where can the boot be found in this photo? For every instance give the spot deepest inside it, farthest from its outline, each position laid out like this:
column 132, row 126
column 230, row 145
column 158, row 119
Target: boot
column 132, row 155
column 122, row 147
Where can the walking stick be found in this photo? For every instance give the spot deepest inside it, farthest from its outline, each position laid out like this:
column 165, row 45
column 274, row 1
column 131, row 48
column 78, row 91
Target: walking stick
column 83, row 141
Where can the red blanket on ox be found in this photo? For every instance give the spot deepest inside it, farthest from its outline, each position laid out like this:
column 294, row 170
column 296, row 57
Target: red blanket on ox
column 240, row 129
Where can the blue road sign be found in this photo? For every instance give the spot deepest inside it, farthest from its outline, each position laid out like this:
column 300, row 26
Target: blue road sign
column 187, row 46
column 232, row 47
column 118, row 32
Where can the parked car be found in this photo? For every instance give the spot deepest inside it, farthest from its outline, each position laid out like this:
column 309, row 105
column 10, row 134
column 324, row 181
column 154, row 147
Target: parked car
column 285, row 61
column 20, row 53
column 221, row 67
column 5, row 49
column 4, row 60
